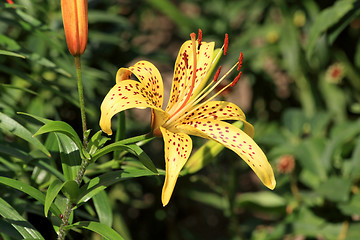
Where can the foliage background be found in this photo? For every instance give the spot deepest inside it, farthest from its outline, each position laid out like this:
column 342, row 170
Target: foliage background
column 300, row 88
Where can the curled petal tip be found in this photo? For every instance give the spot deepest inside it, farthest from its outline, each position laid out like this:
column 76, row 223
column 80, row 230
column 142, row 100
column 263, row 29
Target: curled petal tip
column 271, row 185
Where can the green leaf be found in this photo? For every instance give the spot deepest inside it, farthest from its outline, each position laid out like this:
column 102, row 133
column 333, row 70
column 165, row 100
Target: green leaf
column 14, row 151
column 264, row 199
column 351, row 208
column 96, row 142
column 294, row 121
column 101, row 182
column 70, row 156
column 51, row 194
column 210, row 199
column 26, row 230
column 8, row 124
column 17, row 88
column 355, row 163
column 13, row 54
column 335, row 189
column 71, row 190
column 143, row 157
column 133, row 149
column 60, row 127
column 40, row 119
column 339, row 136
column 103, row 208
column 325, row 20
column 29, row 190
column 353, row 232
column 105, row 231
column 309, row 154
column 169, row 9
column 204, row 155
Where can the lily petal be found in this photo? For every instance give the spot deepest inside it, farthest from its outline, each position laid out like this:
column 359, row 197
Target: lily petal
column 151, row 79
column 221, row 110
column 236, row 140
column 178, row 147
column 124, row 95
column 184, row 69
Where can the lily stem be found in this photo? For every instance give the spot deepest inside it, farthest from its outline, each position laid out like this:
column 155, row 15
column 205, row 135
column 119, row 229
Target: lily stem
column 140, row 140
column 85, row 162
column 81, row 98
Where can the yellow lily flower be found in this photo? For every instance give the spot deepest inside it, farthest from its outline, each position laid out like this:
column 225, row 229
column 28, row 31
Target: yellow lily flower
column 185, row 113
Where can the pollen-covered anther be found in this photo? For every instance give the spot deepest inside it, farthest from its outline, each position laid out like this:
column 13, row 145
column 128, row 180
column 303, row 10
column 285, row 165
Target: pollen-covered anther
column 199, row 38
column 240, row 61
column 226, row 43
column 236, row 79
column 217, row 74
column 186, row 60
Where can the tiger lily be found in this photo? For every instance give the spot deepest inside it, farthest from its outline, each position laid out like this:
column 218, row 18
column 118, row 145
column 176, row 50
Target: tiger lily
column 186, row 114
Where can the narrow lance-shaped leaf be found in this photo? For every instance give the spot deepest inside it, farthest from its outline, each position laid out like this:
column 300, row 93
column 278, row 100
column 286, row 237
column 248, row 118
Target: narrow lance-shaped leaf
column 25, row 228
column 134, row 149
column 29, row 190
column 103, row 208
column 51, row 194
column 9, row 124
column 105, row 231
column 60, row 127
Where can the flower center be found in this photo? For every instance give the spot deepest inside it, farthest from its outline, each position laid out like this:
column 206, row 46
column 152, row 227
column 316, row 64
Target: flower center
column 192, row 104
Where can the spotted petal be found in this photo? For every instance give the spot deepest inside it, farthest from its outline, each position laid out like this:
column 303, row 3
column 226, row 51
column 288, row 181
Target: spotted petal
column 177, row 151
column 151, row 79
column 183, row 75
column 221, row 110
column 236, row 140
column 125, row 95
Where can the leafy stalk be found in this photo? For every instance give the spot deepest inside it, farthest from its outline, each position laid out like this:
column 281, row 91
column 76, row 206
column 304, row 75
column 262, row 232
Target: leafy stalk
column 81, row 98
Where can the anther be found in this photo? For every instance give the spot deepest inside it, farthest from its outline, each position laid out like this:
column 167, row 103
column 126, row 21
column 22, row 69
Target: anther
column 226, row 43
column 186, row 60
column 240, row 61
column 199, row 38
column 236, row 79
column 217, row 74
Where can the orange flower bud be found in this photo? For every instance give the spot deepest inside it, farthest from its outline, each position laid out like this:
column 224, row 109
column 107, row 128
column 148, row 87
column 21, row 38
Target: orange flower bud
column 75, row 19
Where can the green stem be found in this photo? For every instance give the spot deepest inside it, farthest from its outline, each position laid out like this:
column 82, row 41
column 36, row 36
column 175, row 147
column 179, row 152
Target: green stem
column 141, row 140
column 65, row 220
column 81, row 98
column 85, row 163
column 120, row 133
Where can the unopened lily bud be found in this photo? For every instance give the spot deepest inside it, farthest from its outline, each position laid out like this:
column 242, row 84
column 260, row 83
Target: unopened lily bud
column 75, row 19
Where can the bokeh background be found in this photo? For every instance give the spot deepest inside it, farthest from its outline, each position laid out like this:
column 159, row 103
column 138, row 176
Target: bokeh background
column 300, row 88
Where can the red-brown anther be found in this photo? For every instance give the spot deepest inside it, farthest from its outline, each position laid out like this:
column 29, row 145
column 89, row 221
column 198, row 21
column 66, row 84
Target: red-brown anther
column 186, row 60
column 10, row 2
column 217, row 74
column 236, row 79
column 75, row 19
column 199, row 38
column 226, row 43
column 240, row 61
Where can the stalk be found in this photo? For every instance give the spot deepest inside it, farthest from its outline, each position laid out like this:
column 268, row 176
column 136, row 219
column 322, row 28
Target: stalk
column 81, row 98
column 85, row 162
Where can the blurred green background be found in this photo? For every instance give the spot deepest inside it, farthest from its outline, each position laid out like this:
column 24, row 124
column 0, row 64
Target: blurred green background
column 300, row 88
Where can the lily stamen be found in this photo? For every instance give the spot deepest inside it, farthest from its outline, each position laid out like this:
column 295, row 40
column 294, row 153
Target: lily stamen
column 240, row 61
column 236, row 79
column 226, row 43
column 217, row 74
column 181, row 115
column 199, row 38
